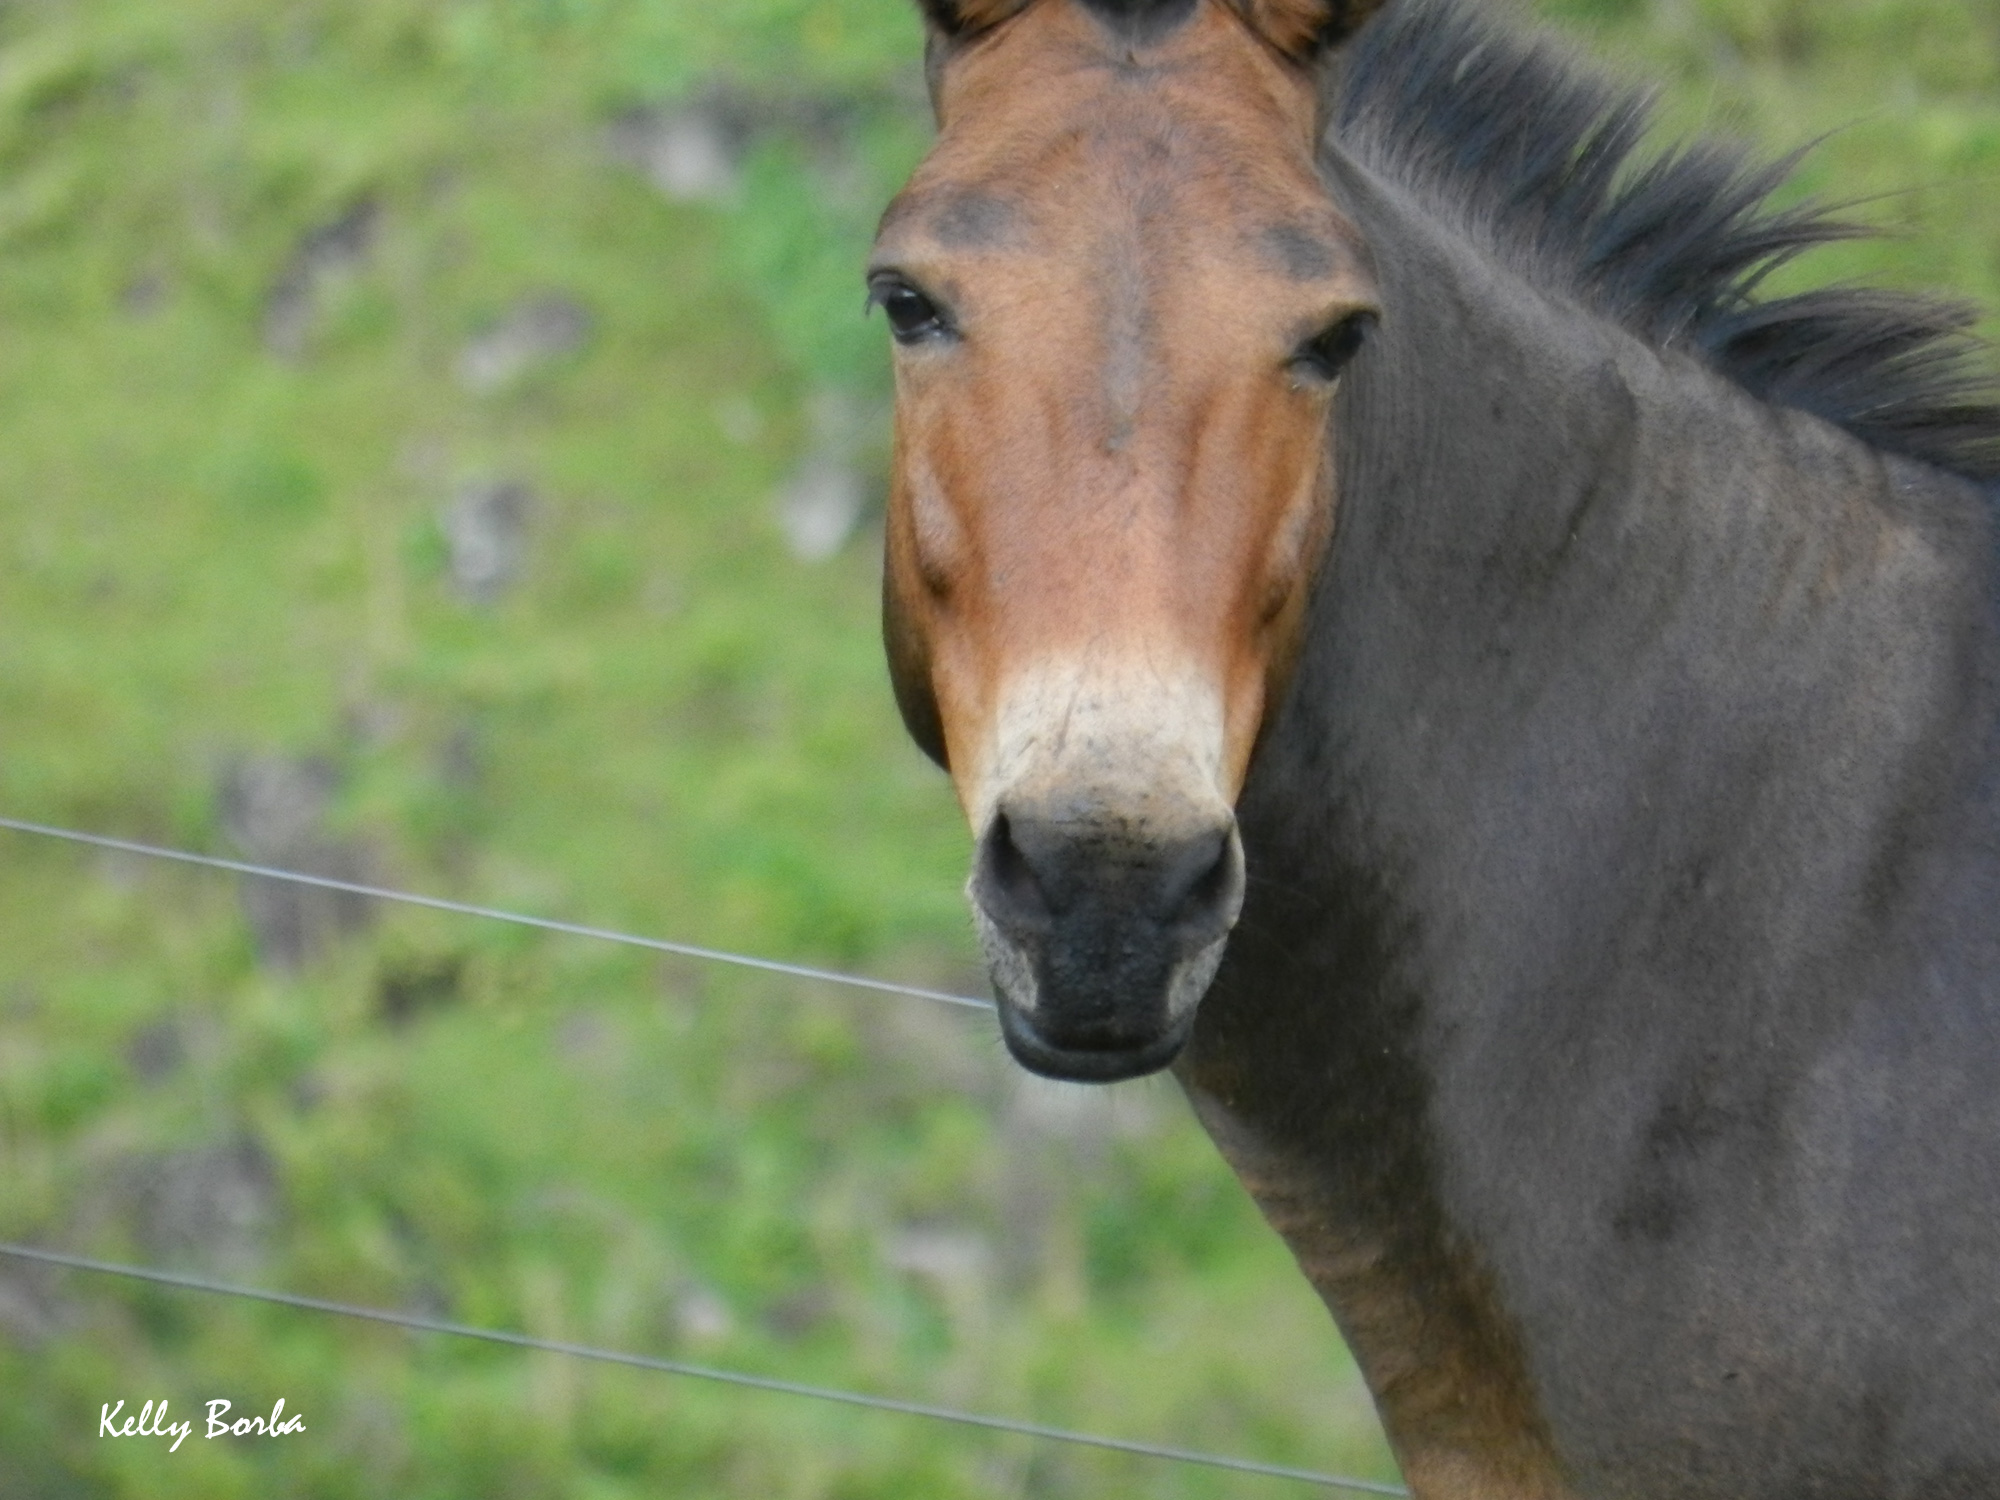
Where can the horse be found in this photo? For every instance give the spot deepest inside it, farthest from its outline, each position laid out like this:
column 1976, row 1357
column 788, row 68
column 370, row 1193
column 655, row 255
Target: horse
column 1431, row 650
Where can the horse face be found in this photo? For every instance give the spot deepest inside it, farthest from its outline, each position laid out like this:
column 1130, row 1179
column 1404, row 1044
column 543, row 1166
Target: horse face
column 1121, row 299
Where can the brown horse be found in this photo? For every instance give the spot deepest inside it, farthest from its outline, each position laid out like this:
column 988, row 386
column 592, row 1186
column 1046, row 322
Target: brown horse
column 1509, row 715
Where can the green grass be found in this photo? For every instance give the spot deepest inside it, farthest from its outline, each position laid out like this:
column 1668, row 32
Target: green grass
column 209, row 552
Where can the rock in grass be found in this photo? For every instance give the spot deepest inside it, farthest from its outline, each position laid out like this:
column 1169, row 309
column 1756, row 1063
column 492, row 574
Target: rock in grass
column 324, row 254
column 486, row 534
column 533, row 332
column 411, row 988
column 212, row 1207
column 693, row 153
column 821, row 504
column 32, row 1308
column 274, row 810
column 156, row 1051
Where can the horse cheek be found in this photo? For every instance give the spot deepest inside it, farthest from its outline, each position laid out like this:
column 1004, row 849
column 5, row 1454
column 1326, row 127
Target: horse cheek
column 909, row 657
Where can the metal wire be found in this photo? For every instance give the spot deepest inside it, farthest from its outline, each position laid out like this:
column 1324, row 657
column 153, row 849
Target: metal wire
column 583, row 1351
column 702, row 1372
column 545, row 924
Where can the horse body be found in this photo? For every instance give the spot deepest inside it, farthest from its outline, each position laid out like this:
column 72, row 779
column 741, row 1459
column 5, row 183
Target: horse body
column 1611, row 1024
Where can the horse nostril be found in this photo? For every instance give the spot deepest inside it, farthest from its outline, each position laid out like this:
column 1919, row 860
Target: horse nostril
column 1203, row 886
column 1006, row 881
column 1036, row 875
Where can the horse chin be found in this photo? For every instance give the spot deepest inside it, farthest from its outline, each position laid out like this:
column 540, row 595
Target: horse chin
column 1089, row 1064
column 1114, row 1038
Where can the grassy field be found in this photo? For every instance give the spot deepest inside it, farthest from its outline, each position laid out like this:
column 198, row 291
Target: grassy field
column 390, row 480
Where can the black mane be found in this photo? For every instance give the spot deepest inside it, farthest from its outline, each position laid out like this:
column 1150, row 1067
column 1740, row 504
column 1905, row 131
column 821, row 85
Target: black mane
column 1539, row 156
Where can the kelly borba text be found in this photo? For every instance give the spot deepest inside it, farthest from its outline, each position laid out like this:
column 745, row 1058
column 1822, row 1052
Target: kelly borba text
column 151, row 1421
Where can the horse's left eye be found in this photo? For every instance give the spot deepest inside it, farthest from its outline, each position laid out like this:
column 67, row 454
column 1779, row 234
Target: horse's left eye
column 1326, row 354
column 912, row 316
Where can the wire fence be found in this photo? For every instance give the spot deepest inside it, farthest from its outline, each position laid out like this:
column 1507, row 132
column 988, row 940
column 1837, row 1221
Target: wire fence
column 739, row 1379
column 492, row 914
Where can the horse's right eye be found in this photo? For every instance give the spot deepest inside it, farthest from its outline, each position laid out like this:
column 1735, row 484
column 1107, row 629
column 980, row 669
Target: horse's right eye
column 912, row 316
column 1324, row 357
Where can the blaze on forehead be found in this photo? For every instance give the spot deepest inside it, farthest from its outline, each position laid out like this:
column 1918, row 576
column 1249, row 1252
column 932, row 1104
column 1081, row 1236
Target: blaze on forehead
column 1301, row 29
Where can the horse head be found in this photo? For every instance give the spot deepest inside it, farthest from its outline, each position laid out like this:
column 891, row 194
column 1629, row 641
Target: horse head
column 1121, row 299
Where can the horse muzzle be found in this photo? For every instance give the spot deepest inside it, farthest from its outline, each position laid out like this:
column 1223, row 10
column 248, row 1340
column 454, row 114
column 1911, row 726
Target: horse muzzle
column 1102, row 933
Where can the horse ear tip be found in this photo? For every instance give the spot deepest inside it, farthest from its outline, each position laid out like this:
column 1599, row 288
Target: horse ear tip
column 1304, row 28
column 1348, row 17
column 953, row 18
column 1308, row 29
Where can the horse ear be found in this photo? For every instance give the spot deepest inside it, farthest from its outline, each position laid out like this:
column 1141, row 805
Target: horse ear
column 1301, row 29
column 1305, row 30
column 955, row 18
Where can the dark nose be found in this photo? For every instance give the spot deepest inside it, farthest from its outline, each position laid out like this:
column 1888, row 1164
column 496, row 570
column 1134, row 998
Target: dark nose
column 1043, row 878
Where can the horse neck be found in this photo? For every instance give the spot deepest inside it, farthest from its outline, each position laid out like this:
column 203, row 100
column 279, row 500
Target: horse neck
column 1582, row 592
column 1622, row 701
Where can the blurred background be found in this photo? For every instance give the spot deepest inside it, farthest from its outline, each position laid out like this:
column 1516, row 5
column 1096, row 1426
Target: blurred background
column 440, row 445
